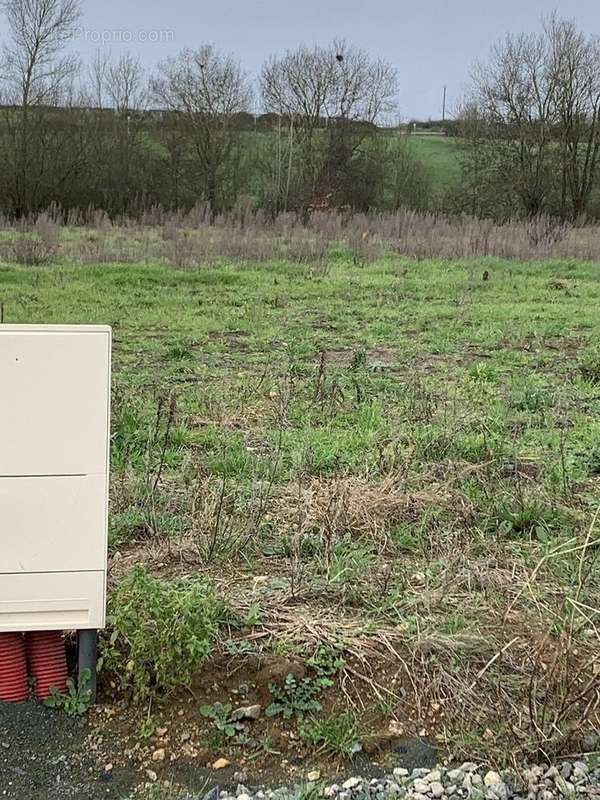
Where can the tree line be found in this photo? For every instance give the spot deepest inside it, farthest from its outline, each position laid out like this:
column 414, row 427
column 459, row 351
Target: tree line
column 531, row 126
column 112, row 135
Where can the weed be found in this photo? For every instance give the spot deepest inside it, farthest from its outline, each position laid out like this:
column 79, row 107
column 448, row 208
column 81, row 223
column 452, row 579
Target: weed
column 326, row 661
column 294, row 698
column 180, row 351
column 406, row 540
column 524, row 515
column 37, row 246
column 593, row 460
column 147, row 728
column 348, row 562
column 239, row 647
column 162, row 632
column 529, row 397
column 483, row 372
column 340, row 734
column 589, row 366
column 453, row 624
column 225, row 523
column 77, row 699
column 225, row 719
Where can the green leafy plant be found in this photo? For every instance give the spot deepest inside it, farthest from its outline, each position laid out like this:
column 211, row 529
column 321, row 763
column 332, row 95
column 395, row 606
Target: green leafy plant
column 77, row 699
column 348, row 560
column 530, row 397
column 147, row 728
column 453, row 624
column 593, row 460
column 359, row 375
column 239, row 647
column 589, row 366
column 326, row 661
column 224, row 718
column 338, row 735
column 294, row 698
column 481, row 372
column 525, row 516
column 253, row 616
column 162, row 632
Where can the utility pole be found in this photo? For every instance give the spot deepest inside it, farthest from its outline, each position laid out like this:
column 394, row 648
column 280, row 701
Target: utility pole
column 444, row 105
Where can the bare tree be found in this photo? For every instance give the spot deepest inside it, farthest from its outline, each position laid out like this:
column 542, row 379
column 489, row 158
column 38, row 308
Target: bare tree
column 119, row 84
column 126, row 83
column 297, row 86
column 35, row 72
column 514, row 93
column 97, row 76
column 118, row 88
column 364, row 92
column 574, row 62
column 33, row 64
column 537, row 105
column 363, row 89
column 339, row 88
column 205, row 90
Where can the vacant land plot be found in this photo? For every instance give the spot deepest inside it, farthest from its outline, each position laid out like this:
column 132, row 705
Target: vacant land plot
column 361, row 497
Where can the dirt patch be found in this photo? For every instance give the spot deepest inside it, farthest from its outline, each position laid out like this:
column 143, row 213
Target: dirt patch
column 230, row 338
column 376, row 356
column 44, row 755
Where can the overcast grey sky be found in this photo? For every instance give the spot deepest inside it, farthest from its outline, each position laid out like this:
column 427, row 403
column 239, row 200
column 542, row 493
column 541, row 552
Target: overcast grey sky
column 431, row 42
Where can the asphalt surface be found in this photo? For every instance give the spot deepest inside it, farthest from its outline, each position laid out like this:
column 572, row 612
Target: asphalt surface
column 44, row 755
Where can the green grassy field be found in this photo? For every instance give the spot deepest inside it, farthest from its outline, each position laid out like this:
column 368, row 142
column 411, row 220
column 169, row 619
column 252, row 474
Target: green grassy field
column 439, row 154
column 392, row 469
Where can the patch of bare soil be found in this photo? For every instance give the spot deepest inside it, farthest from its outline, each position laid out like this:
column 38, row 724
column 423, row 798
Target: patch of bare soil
column 230, row 338
column 376, row 356
column 44, row 755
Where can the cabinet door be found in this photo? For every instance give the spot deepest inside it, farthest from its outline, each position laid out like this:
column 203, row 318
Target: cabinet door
column 54, row 402
column 66, row 601
column 55, row 524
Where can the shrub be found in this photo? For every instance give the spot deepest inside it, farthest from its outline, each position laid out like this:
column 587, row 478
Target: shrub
column 162, row 632
column 37, row 246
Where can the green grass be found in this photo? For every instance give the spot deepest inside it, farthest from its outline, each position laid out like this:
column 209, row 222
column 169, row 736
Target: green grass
column 395, row 447
column 439, row 154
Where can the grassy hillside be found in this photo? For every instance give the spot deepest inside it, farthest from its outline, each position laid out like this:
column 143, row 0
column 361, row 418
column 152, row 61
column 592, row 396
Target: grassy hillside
column 380, row 479
column 440, row 156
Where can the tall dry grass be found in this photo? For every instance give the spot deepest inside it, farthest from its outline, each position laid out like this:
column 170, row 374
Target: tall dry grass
column 190, row 239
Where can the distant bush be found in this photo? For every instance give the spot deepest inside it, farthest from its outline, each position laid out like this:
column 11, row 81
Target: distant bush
column 36, row 246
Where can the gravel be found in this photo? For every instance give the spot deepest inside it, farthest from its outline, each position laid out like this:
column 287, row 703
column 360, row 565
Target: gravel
column 569, row 780
column 47, row 756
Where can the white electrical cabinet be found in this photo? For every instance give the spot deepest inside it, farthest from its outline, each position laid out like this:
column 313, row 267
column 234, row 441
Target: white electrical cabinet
column 54, row 452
